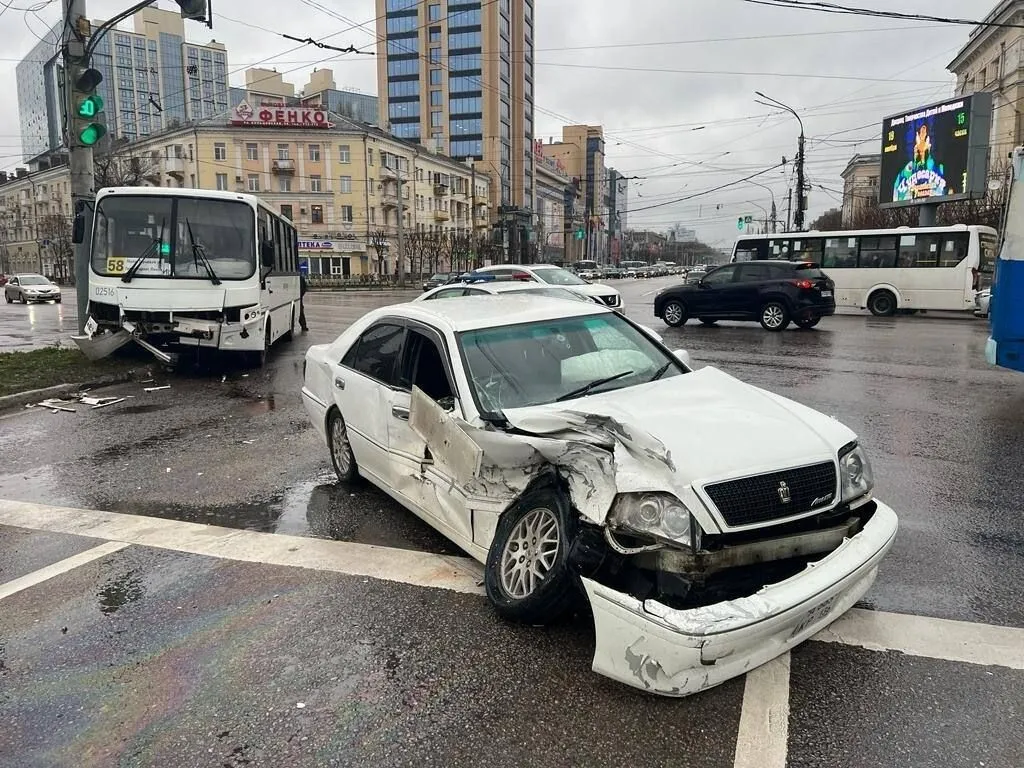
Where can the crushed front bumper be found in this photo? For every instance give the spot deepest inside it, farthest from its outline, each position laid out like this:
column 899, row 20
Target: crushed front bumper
column 680, row 652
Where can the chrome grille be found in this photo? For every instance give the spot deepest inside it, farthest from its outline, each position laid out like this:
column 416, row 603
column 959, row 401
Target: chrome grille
column 774, row 495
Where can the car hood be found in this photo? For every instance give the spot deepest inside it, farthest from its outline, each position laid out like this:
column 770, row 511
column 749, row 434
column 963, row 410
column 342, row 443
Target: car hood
column 681, row 433
column 593, row 289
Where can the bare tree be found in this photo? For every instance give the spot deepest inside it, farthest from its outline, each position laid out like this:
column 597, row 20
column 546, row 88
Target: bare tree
column 119, row 165
column 379, row 241
column 443, row 251
column 54, row 235
column 461, row 249
column 829, row 220
column 417, row 245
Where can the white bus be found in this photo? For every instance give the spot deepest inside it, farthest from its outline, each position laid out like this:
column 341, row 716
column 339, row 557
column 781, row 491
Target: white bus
column 885, row 270
column 189, row 267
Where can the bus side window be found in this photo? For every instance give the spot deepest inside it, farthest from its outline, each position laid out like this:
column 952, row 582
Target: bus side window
column 278, row 246
column 808, row 250
column 751, row 250
column 839, row 253
column 878, row 252
column 778, row 249
column 919, row 251
column 954, row 249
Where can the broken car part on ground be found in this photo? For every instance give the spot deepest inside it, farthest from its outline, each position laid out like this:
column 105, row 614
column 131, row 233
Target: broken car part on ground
column 712, row 525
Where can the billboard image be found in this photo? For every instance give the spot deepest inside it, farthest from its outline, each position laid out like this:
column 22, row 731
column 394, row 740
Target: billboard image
column 937, row 153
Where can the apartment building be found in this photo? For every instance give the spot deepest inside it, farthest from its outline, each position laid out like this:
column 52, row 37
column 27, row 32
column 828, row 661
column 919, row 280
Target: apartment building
column 342, row 183
column 992, row 60
column 458, row 78
column 860, row 186
column 35, row 222
column 558, row 211
column 153, row 78
column 581, row 152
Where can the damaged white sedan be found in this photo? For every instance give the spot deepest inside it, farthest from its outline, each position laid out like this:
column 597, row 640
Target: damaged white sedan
column 712, row 525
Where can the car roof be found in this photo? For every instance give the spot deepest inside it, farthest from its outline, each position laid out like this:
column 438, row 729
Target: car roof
column 524, row 267
column 470, row 313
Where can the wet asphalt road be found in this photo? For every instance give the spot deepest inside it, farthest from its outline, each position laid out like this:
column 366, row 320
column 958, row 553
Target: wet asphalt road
column 180, row 659
column 30, row 326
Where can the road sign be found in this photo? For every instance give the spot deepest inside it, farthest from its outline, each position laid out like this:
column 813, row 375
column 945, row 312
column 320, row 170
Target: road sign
column 748, row 219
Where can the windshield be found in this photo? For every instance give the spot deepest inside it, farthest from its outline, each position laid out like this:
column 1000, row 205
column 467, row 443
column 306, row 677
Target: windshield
column 33, row 280
column 558, row 276
column 157, row 230
column 515, row 366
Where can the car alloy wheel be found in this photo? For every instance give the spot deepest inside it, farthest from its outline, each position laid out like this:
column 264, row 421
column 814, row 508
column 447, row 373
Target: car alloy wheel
column 674, row 314
column 527, row 576
column 774, row 316
column 341, row 449
column 529, row 553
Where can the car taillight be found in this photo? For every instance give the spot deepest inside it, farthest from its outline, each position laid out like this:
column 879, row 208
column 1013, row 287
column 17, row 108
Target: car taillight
column 805, row 285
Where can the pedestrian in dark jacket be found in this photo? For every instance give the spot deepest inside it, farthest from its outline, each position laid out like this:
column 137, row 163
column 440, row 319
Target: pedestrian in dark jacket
column 302, row 304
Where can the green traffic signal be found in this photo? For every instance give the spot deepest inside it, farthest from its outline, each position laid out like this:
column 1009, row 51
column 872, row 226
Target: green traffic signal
column 91, row 134
column 90, row 106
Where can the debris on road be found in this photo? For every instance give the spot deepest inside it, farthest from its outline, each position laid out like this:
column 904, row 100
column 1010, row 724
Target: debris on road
column 156, row 389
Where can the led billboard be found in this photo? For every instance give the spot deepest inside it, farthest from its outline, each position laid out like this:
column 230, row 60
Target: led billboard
column 937, row 153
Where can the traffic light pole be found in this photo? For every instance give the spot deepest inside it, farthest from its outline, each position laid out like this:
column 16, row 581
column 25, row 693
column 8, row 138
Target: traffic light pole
column 80, row 161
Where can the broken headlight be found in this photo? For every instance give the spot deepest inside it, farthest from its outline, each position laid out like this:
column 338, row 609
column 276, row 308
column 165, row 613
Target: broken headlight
column 660, row 515
column 855, row 475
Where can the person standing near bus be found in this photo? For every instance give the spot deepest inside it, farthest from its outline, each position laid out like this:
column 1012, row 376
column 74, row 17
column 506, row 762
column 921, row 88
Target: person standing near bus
column 302, row 303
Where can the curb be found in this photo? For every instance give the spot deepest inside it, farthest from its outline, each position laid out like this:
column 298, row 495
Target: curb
column 37, row 395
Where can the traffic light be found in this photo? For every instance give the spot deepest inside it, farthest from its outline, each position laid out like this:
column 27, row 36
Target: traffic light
column 193, row 9
column 86, row 106
column 579, row 234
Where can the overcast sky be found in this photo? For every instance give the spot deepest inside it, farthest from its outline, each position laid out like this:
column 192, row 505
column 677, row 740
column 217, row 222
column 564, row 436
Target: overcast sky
column 671, row 81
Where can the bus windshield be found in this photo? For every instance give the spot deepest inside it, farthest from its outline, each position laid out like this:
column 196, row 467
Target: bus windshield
column 171, row 236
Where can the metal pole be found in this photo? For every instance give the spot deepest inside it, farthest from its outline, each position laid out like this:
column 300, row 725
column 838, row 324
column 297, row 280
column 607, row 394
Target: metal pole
column 80, row 158
column 401, row 227
column 789, row 208
column 799, row 220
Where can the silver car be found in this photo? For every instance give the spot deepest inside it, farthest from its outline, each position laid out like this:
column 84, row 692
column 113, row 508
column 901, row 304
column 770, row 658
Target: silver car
column 982, row 299
column 29, row 288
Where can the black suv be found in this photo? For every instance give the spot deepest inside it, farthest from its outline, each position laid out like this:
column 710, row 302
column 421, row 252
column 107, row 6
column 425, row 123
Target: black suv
column 772, row 292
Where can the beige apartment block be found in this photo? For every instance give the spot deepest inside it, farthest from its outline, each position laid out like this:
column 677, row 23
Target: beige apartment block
column 35, row 215
column 339, row 183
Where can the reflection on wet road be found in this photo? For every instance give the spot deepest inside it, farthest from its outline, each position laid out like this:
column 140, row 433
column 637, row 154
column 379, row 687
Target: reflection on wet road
column 31, row 326
column 226, row 447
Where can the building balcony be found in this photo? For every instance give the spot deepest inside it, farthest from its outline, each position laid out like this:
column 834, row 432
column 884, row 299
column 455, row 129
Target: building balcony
column 283, row 166
column 175, row 166
column 441, row 189
column 390, row 200
column 442, row 216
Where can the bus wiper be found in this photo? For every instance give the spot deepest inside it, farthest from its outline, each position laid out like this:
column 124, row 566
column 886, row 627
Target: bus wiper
column 156, row 245
column 592, row 385
column 199, row 254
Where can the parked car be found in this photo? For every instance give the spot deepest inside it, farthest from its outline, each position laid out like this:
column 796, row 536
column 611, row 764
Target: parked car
column 552, row 275
column 31, row 288
column 711, row 525
column 774, row 293
column 611, row 272
column 441, row 278
column 982, row 300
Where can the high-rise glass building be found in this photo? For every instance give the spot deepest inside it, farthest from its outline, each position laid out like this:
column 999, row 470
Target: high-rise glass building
column 152, row 79
column 457, row 77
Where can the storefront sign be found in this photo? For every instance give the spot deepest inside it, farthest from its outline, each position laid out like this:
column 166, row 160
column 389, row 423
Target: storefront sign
column 279, row 116
column 316, row 245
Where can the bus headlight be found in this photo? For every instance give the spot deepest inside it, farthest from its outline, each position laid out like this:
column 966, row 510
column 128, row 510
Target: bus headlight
column 855, row 475
column 660, row 515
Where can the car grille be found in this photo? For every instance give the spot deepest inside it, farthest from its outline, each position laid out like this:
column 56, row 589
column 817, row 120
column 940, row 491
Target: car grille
column 775, row 495
column 611, row 301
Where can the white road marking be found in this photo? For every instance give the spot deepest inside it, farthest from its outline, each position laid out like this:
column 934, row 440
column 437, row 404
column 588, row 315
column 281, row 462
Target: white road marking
column 875, row 630
column 422, row 569
column 960, row 641
column 61, row 566
column 763, row 737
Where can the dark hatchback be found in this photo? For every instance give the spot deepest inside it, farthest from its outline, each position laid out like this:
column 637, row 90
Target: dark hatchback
column 774, row 293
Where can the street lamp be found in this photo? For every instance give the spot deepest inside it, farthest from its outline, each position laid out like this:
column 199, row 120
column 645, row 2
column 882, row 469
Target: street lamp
column 768, row 101
column 772, row 193
column 763, row 210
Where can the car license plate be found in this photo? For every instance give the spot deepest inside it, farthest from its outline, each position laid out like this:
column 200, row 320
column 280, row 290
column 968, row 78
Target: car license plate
column 815, row 615
column 826, row 293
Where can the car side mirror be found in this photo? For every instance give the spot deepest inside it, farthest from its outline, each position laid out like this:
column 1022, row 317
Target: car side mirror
column 683, row 357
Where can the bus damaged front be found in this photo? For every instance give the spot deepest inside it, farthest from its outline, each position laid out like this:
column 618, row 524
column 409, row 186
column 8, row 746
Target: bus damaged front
column 160, row 315
column 170, row 271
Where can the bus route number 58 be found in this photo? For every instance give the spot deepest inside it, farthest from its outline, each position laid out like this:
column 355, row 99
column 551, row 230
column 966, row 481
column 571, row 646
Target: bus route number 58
column 115, row 266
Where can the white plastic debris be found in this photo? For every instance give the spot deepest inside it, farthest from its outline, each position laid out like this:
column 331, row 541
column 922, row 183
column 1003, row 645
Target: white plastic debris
column 156, row 389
